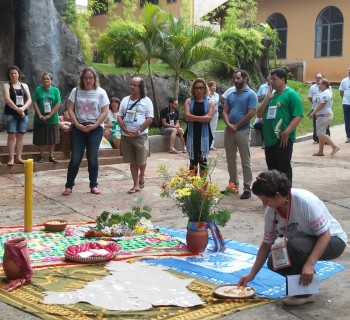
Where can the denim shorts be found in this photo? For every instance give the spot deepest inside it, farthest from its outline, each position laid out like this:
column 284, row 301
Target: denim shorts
column 15, row 123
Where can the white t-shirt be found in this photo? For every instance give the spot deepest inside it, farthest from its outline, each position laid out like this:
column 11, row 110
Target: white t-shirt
column 313, row 93
column 89, row 104
column 345, row 86
column 308, row 214
column 263, row 90
column 228, row 91
column 326, row 98
column 215, row 97
column 143, row 108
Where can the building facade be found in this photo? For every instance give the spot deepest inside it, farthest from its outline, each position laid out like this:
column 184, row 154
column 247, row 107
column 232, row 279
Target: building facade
column 313, row 33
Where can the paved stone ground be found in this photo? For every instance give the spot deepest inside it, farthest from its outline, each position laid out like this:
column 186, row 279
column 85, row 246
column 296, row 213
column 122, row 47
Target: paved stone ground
column 328, row 177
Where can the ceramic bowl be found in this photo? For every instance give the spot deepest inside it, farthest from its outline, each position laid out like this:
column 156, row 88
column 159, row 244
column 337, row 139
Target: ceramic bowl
column 57, row 225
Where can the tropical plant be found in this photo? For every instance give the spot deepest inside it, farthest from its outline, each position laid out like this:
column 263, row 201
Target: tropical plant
column 119, row 41
column 150, row 40
column 184, row 47
column 196, row 196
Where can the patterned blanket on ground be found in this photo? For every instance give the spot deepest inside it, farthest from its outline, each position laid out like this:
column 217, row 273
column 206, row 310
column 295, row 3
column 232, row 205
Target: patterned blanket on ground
column 222, row 268
column 28, row 298
column 47, row 248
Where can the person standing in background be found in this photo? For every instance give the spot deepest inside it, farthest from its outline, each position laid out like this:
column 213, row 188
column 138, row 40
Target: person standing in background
column 88, row 108
column 134, row 117
column 214, row 96
column 198, row 112
column 344, row 90
column 239, row 109
column 281, row 112
column 46, row 132
column 313, row 96
column 18, row 100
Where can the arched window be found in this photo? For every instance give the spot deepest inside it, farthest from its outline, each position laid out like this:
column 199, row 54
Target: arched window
column 329, row 33
column 278, row 22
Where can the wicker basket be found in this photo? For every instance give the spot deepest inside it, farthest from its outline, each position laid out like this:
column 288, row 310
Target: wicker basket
column 72, row 252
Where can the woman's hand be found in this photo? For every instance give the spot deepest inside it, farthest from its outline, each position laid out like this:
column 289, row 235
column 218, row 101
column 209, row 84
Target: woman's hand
column 307, row 274
column 245, row 279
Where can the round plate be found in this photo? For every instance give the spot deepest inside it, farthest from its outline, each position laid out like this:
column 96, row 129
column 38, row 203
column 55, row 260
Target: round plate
column 233, row 291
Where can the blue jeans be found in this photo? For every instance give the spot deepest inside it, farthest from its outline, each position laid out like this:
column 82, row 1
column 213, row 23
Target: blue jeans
column 346, row 110
column 16, row 124
column 81, row 140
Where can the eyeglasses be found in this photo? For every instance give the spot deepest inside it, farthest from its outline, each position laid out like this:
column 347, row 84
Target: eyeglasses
column 199, row 88
column 133, row 85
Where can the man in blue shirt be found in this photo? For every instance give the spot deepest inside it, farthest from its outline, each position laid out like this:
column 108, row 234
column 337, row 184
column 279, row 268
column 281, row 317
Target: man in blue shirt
column 240, row 107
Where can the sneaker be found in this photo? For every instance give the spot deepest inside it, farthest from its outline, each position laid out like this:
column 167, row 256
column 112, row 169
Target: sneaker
column 245, row 195
column 347, row 140
column 294, row 301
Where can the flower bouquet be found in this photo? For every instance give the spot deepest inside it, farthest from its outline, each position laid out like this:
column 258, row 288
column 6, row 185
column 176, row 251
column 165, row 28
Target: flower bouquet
column 198, row 199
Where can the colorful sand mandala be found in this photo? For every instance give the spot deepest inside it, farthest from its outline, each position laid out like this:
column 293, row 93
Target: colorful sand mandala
column 47, row 248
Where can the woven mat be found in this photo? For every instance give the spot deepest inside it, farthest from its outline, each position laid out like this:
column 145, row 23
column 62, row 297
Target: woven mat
column 28, row 298
column 47, row 248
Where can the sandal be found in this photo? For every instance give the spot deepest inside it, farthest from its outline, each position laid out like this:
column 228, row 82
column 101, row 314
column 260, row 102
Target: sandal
column 335, row 150
column 317, row 154
column 41, row 159
column 95, row 190
column 67, row 192
column 174, row 151
column 133, row 190
column 142, row 184
column 52, row 159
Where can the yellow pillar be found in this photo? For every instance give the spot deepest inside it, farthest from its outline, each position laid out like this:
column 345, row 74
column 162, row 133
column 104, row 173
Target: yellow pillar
column 28, row 195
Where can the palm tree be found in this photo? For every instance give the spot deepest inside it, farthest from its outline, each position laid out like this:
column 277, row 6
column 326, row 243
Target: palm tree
column 184, row 48
column 150, row 40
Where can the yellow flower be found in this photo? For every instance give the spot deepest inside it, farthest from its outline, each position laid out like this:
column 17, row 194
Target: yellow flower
column 183, row 192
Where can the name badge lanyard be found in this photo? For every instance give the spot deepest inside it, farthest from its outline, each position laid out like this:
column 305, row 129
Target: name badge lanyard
column 130, row 115
column 19, row 99
column 47, row 101
column 172, row 118
column 289, row 199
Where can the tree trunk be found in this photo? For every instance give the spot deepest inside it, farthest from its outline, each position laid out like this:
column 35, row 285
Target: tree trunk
column 155, row 105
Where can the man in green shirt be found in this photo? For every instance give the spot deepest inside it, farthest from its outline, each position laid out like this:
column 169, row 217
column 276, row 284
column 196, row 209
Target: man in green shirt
column 281, row 112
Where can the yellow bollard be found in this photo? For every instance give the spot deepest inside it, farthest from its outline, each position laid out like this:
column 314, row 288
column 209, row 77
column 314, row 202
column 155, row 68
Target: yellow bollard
column 28, row 195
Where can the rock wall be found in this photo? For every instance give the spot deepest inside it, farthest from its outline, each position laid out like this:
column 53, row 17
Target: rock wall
column 34, row 37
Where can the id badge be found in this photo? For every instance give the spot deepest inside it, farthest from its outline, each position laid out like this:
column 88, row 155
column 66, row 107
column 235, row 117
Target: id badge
column 130, row 116
column 271, row 112
column 172, row 122
column 19, row 101
column 47, row 107
column 280, row 258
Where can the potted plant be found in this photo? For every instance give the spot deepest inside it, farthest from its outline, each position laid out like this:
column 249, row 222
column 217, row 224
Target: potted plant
column 198, row 199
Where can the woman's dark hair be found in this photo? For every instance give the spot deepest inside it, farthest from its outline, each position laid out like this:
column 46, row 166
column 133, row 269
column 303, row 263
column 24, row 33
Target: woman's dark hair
column 47, row 74
column 211, row 83
column 117, row 100
column 199, row 80
column 268, row 183
column 325, row 82
column 81, row 82
column 14, row 68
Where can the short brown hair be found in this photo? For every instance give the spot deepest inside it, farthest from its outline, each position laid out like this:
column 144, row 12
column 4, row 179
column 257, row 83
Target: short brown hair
column 81, row 82
column 199, row 80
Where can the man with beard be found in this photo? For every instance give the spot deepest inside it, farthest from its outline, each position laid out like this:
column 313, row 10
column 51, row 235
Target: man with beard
column 281, row 112
column 240, row 106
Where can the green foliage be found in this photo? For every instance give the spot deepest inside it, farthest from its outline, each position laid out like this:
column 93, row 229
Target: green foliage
column 240, row 45
column 79, row 23
column 130, row 218
column 119, row 41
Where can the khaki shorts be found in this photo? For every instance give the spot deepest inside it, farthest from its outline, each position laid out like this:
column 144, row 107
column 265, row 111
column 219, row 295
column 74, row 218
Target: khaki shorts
column 135, row 149
column 322, row 124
